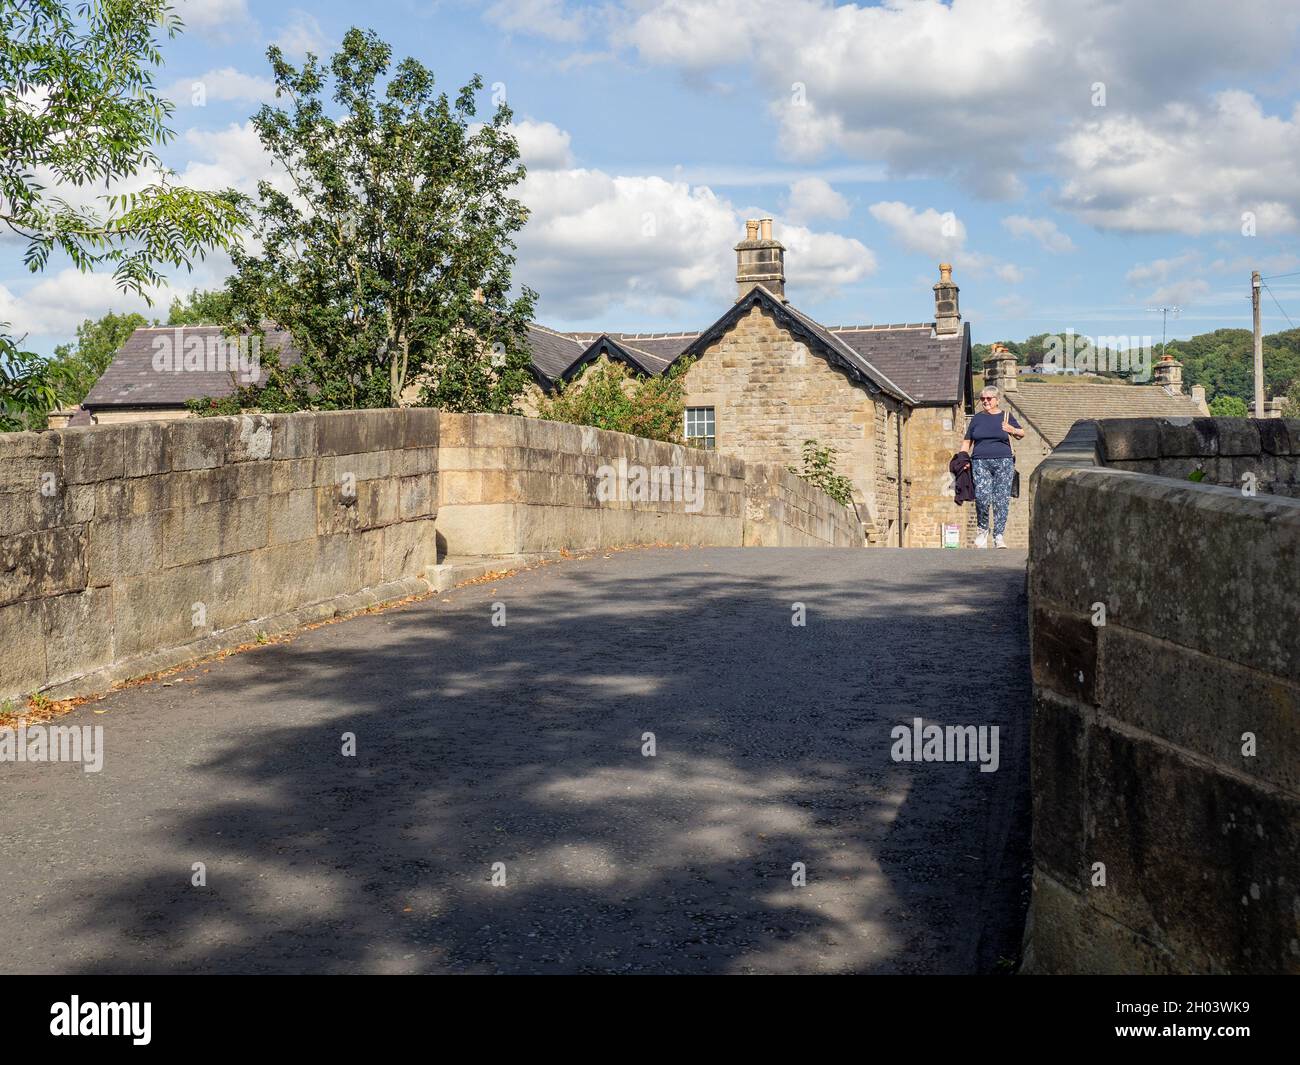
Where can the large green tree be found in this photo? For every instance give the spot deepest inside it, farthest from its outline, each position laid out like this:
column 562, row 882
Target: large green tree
column 79, row 113
column 388, row 251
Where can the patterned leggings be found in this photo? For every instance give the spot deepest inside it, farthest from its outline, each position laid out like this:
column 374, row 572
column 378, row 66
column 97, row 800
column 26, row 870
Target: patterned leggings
column 993, row 485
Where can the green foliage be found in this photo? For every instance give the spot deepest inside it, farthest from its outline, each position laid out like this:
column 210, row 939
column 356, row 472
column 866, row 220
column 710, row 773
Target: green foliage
column 1224, row 362
column 29, row 387
column 201, row 308
column 390, row 263
column 78, row 103
column 80, row 365
column 609, row 396
column 819, row 471
column 1226, row 406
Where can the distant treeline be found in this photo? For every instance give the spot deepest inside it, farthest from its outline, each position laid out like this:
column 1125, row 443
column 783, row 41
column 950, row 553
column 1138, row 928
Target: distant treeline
column 1222, row 361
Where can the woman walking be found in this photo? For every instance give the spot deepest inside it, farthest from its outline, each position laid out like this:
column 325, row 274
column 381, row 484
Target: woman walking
column 992, row 463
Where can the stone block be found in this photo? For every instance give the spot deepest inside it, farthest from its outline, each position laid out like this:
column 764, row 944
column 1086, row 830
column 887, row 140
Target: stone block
column 112, row 499
column 366, row 466
column 409, row 547
column 93, row 453
column 144, row 449
column 78, row 631
column 149, row 495
column 353, row 431
column 124, row 547
column 250, row 440
column 1279, row 436
column 290, row 474
column 1198, row 862
column 1230, row 593
column 1067, row 937
column 160, row 609
column 293, row 516
column 212, row 530
column 1057, row 764
column 417, row 496
column 418, row 460
column 420, row 428
column 1203, row 704
column 198, row 443
column 41, row 563
column 1237, row 436
column 479, row 529
column 293, row 436
column 1185, row 437
column 22, row 635
column 1063, row 650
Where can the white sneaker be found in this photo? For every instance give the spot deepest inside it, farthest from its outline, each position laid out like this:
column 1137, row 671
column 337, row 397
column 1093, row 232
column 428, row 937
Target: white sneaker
column 982, row 538
column 999, row 542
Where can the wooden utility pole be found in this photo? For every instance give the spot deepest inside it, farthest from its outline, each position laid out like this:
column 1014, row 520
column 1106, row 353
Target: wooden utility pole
column 1259, row 345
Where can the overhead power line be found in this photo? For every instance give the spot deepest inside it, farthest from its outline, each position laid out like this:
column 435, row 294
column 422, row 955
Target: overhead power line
column 1279, row 306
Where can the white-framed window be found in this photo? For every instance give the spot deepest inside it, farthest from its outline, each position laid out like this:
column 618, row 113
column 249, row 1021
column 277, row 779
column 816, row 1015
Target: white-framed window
column 700, row 429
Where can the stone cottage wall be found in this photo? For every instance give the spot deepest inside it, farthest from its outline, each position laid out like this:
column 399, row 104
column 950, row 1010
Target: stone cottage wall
column 770, row 393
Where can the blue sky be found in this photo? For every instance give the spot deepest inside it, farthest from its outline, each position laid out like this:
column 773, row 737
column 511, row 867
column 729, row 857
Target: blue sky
column 1078, row 161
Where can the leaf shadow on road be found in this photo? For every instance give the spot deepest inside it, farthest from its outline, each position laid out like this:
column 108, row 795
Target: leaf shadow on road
column 522, row 745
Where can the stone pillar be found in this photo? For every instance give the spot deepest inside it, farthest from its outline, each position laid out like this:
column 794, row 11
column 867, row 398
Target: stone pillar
column 1274, row 407
column 760, row 260
column 947, row 315
column 1000, row 369
column 1169, row 372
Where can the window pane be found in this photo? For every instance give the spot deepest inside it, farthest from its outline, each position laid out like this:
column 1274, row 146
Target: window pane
column 699, row 427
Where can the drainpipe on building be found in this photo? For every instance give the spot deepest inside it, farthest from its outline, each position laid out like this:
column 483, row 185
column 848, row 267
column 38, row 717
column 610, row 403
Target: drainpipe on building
column 898, row 455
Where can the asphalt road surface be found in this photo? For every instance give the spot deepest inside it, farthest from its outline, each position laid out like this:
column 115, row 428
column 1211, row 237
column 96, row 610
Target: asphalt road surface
column 499, row 814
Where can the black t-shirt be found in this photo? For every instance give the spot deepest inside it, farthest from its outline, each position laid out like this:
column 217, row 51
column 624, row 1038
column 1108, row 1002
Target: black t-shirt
column 990, row 441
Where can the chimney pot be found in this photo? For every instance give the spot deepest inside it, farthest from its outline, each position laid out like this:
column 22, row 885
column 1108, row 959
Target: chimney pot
column 1169, row 373
column 947, row 313
column 760, row 260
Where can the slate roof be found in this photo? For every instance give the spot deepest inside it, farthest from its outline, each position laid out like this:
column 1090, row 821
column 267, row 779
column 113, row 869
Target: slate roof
column 1052, row 407
column 833, row 348
column 132, row 380
column 909, row 362
column 553, row 352
column 929, row 367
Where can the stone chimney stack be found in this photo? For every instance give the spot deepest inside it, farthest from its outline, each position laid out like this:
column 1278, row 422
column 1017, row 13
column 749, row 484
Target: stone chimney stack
column 1198, row 397
column 1000, row 369
column 760, row 260
column 1169, row 372
column 947, row 316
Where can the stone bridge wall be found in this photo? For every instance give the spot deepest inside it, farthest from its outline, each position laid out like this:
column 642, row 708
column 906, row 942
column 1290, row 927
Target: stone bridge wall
column 1166, row 733
column 129, row 548
column 524, row 486
column 156, row 542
